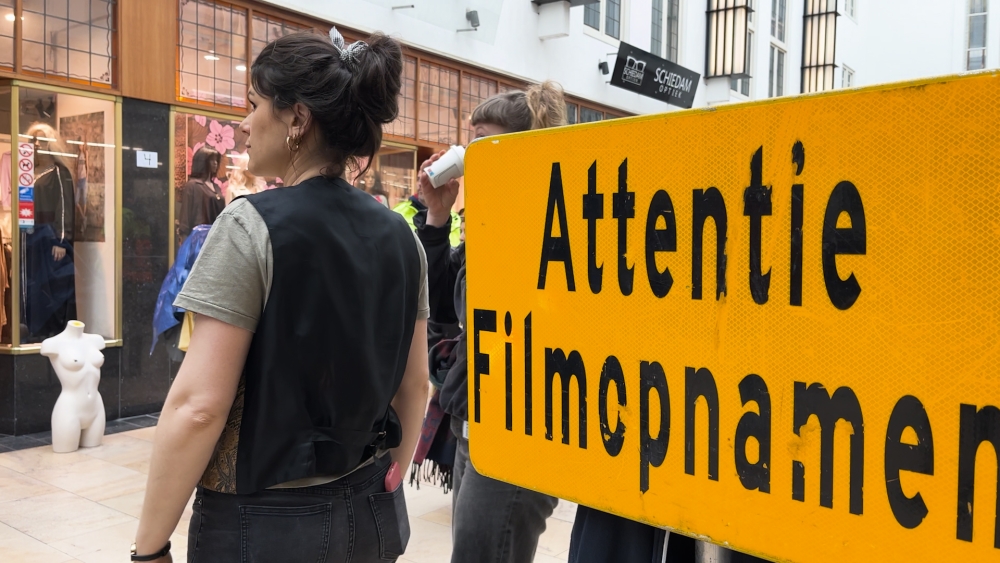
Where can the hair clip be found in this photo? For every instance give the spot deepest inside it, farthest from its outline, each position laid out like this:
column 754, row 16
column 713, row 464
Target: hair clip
column 348, row 53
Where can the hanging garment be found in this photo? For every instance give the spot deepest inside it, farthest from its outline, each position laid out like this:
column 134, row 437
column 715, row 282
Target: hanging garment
column 166, row 316
column 49, row 285
column 5, row 180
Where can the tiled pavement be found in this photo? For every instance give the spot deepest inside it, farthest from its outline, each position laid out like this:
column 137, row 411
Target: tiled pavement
column 84, row 506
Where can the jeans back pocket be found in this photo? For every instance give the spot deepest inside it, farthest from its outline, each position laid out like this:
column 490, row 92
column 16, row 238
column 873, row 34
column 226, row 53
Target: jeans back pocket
column 273, row 534
column 392, row 521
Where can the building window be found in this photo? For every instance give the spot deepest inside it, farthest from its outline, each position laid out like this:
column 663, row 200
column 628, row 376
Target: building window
column 213, row 53
column 268, row 28
column 848, row 78
column 475, row 90
column 977, row 35
column 571, row 110
column 504, row 88
column 776, row 75
column 405, row 123
column 729, row 22
column 665, row 29
column 7, row 35
column 613, row 18
column 66, row 39
column 588, row 115
column 851, row 7
column 819, row 45
column 656, row 33
column 592, row 15
column 65, row 259
column 605, row 16
column 742, row 85
column 438, row 104
column 778, row 19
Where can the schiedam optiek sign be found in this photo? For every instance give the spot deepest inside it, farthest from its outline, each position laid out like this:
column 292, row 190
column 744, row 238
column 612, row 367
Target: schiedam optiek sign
column 655, row 77
column 774, row 326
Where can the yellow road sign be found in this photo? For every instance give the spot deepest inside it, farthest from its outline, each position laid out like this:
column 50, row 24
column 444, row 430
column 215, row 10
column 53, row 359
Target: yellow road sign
column 774, row 326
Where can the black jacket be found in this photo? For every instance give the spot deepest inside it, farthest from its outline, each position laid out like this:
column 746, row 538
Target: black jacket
column 446, row 293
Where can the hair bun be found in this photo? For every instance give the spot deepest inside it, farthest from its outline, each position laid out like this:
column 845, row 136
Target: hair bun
column 378, row 78
column 547, row 104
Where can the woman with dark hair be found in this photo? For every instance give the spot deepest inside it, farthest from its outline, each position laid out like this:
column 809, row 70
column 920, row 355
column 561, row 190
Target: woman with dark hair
column 306, row 377
column 201, row 198
column 371, row 182
column 492, row 521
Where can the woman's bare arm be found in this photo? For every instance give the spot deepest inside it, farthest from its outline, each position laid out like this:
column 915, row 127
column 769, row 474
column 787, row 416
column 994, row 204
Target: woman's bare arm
column 191, row 422
column 410, row 401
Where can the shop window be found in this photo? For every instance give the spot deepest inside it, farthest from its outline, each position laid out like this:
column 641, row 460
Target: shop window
column 209, row 170
column 475, row 90
column 405, row 123
column 588, row 115
column 438, row 104
column 65, row 261
column 504, row 88
column 268, row 28
column 68, row 39
column 7, row 35
column 212, row 53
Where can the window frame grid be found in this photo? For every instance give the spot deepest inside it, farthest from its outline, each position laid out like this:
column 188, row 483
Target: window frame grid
column 467, row 81
column 14, row 8
column 596, row 112
column 777, row 63
column 20, row 43
column 847, row 77
column 425, row 105
column 287, row 27
column 666, row 29
column 601, row 31
column 984, row 14
column 779, row 20
column 407, row 105
column 819, row 45
column 239, row 102
column 656, row 32
column 744, row 84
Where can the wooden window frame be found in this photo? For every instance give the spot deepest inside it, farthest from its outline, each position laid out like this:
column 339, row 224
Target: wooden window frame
column 40, row 78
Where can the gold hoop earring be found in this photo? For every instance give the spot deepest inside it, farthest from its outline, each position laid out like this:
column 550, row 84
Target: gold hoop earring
column 288, row 143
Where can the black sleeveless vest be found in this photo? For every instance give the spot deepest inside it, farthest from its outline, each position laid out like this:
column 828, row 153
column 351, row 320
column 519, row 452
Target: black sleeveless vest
column 332, row 342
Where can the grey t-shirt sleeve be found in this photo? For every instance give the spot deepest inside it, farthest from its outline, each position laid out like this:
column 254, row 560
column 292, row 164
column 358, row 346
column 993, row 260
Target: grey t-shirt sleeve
column 423, row 301
column 231, row 278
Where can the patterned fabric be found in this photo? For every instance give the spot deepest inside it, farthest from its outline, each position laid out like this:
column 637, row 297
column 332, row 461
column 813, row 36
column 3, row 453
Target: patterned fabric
column 220, row 475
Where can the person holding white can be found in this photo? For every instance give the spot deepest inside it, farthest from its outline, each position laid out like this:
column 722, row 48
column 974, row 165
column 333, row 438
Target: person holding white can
column 492, row 521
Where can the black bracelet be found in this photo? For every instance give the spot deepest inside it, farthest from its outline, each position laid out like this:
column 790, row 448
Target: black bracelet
column 153, row 557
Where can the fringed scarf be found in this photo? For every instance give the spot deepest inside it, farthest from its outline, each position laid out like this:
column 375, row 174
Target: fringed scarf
column 437, row 444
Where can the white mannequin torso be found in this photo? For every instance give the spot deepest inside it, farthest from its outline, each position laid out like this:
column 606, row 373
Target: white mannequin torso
column 78, row 417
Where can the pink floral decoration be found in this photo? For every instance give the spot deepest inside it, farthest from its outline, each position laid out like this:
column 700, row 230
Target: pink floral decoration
column 221, row 137
column 200, row 119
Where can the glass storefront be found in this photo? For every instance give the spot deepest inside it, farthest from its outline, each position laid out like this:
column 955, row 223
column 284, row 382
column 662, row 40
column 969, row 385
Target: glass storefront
column 209, row 169
column 59, row 227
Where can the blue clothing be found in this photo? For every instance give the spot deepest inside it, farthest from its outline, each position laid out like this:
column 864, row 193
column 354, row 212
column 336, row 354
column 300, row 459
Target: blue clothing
column 166, row 315
column 49, row 285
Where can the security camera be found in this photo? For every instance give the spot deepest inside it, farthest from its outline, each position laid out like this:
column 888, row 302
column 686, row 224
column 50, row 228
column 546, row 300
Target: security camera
column 473, row 17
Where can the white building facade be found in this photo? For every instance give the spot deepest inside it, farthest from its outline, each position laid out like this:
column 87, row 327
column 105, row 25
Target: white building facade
column 858, row 42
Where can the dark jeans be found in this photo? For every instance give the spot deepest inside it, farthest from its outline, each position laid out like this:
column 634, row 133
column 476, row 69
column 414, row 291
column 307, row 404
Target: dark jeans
column 493, row 521
column 599, row 537
column 351, row 520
